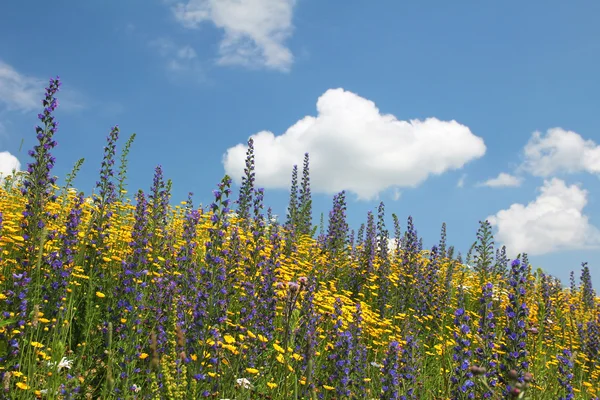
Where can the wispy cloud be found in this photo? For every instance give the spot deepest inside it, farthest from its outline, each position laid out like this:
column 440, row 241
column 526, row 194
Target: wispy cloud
column 20, row 92
column 181, row 59
column 255, row 31
column 461, row 181
column 17, row 91
column 502, row 180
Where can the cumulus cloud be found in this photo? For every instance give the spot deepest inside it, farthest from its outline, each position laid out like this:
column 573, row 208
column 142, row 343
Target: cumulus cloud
column 502, row 180
column 554, row 221
column 254, row 30
column 8, row 163
column 354, row 147
column 560, row 151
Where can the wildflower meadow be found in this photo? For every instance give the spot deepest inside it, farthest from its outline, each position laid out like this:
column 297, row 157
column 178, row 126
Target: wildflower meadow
column 117, row 295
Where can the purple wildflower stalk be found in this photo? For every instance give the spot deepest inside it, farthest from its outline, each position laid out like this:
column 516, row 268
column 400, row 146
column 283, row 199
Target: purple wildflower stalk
column 410, row 247
column 61, row 265
column 292, row 210
column 214, row 274
column 397, row 236
column 409, row 368
column 337, row 232
column 565, row 377
column 462, row 378
column 307, row 336
column 106, row 194
column 391, row 379
column 338, row 367
column 305, row 201
column 159, row 206
column 246, row 189
column 485, row 354
column 267, row 300
column 588, row 295
column 129, row 293
column 515, row 357
column 359, row 353
column 37, row 185
column 37, row 190
column 358, row 276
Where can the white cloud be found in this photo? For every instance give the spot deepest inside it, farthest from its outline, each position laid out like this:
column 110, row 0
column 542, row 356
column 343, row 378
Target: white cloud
column 18, row 91
column 461, row 181
column 354, row 147
column 180, row 59
column 396, row 194
column 503, row 180
column 560, row 151
column 255, row 30
column 8, row 163
column 554, row 221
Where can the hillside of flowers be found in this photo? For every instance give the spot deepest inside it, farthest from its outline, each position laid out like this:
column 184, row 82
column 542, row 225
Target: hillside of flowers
column 112, row 295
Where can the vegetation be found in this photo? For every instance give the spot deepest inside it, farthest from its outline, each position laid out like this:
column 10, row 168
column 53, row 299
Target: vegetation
column 102, row 298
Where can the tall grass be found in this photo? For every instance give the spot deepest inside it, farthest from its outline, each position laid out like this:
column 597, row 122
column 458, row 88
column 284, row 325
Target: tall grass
column 101, row 298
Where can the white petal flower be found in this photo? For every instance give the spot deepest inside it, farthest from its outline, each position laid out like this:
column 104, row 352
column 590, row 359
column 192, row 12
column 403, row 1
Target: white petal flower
column 245, row 383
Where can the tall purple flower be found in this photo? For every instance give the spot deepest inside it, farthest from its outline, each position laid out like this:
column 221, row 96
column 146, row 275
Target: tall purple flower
column 129, row 292
column 565, row 370
column 588, row 295
column 267, row 300
column 307, row 336
column 247, row 188
column 409, row 368
column 37, row 185
column 485, row 354
column 515, row 357
column 337, row 233
column 305, row 201
column 391, row 378
column 462, row 377
column 292, row 210
column 61, row 264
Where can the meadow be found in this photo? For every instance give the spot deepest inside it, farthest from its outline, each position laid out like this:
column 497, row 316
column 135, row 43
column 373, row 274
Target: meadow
column 109, row 297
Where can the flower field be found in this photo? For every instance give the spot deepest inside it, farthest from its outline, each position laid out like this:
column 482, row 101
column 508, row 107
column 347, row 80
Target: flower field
column 106, row 297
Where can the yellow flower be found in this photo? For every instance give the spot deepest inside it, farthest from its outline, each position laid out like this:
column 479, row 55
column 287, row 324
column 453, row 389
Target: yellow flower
column 271, row 385
column 229, row 339
column 22, row 385
column 280, row 358
column 278, row 348
column 37, row 345
column 328, row 387
column 100, row 294
column 252, row 371
column 143, row 356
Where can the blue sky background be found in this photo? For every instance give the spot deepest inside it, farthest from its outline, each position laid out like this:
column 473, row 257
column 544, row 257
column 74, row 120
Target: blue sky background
column 195, row 79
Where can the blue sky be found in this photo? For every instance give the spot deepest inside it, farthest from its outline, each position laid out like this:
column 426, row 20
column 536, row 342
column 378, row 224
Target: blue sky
column 431, row 107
